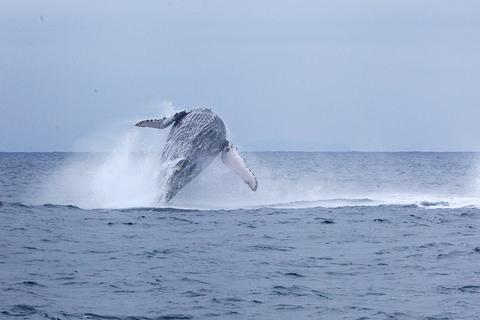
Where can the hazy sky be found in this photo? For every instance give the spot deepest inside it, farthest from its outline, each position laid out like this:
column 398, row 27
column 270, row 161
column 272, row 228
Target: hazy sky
column 284, row 75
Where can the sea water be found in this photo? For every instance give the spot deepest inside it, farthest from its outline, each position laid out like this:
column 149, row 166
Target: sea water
column 326, row 236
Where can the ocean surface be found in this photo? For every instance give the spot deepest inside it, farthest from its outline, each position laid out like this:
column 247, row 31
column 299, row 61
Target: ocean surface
column 326, row 236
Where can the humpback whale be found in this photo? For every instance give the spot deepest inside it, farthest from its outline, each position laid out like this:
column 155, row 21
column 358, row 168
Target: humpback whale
column 196, row 137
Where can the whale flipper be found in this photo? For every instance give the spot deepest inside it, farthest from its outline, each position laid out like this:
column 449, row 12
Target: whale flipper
column 234, row 161
column 163, row 122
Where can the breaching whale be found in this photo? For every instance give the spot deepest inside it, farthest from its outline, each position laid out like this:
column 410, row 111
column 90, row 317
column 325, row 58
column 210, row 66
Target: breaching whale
column 195, row 139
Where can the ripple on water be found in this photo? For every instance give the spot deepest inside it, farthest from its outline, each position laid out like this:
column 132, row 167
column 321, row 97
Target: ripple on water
column 94, row 316
column 31, row 284
column 294, row 274
column 271, row 248
column 20, row 310
column 297, row 291
column 470, row 289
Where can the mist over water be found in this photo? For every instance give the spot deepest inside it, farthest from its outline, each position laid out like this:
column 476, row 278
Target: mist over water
column 130, row 174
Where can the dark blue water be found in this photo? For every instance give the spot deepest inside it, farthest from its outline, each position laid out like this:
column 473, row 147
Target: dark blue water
column 327, row 236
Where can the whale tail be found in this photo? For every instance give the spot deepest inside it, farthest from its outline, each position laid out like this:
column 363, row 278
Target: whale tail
column 232, row 159
column 163, row 122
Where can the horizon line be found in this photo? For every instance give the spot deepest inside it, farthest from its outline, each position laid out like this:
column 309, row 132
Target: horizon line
column 285, row 151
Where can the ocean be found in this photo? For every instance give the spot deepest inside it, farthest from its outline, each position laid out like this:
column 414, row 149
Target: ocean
column 326, row 236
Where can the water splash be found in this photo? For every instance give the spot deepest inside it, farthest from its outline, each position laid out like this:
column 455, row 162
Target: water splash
column 129, row 175
column 126, row 179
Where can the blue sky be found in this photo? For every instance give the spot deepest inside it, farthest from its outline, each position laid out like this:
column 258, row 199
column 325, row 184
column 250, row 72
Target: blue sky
column 284, row 75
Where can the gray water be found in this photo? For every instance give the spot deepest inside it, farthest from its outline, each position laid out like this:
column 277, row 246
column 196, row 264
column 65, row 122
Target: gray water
column 327, row 236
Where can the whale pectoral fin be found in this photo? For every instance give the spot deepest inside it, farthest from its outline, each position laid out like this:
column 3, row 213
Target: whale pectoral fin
column 232, row 159
column 161, row 123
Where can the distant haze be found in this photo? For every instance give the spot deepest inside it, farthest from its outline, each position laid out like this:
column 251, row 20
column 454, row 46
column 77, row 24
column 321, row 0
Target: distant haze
column 284, row 75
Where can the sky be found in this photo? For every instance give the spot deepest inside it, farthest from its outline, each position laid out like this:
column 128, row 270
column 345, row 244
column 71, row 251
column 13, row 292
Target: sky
column 283, row 75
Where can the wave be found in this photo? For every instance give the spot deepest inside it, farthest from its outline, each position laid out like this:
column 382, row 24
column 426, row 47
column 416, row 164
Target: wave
column 312, row 204
column 27, row 311
column 367, row 202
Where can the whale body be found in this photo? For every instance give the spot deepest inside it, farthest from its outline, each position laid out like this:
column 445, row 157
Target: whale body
column 196, row 138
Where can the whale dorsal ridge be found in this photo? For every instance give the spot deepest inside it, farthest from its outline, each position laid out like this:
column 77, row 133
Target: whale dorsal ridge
column 163, row 122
